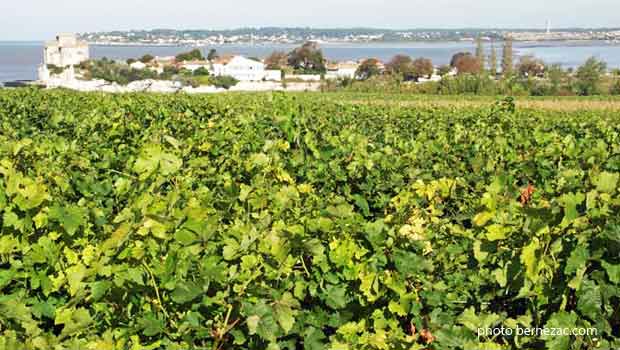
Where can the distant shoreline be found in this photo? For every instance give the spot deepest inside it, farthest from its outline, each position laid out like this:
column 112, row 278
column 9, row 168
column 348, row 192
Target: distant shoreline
column 521, row 43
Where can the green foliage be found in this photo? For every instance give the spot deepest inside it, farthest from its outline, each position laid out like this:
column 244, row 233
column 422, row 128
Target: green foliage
column 367, row 69
column 201, row 72
column 195, row 54
column 307, row 59
column 275, row 221
column 467, row 84
column 111, row 71
column 588, row 77
column 223, row 81
column 169, row 72
column 557, row 77
column 556, row 82
column 55, row 69
column 615, row 87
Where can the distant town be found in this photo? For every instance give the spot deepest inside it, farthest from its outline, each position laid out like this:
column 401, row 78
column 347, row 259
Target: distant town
column 275, row 35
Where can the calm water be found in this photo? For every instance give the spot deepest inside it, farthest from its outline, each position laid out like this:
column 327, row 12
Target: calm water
column 19, row 60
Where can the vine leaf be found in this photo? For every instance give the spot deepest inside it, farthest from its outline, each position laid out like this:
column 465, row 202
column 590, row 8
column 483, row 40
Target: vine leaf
column 153, row 158
column 607, row 182
column 69, row 217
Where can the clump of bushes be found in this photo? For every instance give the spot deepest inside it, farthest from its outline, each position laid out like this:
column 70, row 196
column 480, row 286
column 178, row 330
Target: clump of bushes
column 223, row 81
column 194, row 54
column 111, row 71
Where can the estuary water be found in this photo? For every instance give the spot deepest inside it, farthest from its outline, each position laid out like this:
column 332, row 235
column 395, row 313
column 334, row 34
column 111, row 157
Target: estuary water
column 19, row 60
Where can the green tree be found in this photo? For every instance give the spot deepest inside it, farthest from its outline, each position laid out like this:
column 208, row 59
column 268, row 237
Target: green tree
column 507, row 59
column 367, row 69
column 556, row 77
column 493, row 61
column 588, row 77
column 201, row 72
column 307, row 58
column 480, row 53
column 194, row 54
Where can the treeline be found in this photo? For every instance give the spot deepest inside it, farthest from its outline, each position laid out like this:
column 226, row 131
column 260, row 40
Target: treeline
column 479, row 73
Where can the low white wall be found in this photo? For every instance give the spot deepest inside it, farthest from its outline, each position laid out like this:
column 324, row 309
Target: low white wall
column 305, row 77
column 273, row 75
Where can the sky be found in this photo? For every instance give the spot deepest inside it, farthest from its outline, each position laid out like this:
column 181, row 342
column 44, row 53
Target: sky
column 42, row 19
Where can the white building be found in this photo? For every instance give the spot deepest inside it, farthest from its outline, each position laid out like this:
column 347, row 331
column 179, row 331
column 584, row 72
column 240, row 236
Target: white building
column 341, row 70
column 243, row 69
column 137, row 65
column 65, row 51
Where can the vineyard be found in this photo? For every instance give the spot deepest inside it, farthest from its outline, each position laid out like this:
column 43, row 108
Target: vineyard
column 284, row 221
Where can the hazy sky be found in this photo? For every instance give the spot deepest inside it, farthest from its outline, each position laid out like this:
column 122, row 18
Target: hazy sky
column 41, row 19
